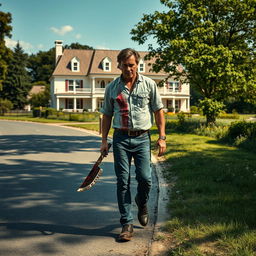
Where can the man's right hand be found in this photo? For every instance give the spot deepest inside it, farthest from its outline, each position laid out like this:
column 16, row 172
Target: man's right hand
column 104, row 148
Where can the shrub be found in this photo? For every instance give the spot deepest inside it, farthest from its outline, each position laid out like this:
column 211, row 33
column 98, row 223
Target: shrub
column 242, row 134
column 50, row 112
column 242, row 128
column 5, row 106
column 36, row 112
column 211, row 109
column 217, row 132
column 194, row 110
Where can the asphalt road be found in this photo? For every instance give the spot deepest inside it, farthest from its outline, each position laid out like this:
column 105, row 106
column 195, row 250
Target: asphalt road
column 41, row 213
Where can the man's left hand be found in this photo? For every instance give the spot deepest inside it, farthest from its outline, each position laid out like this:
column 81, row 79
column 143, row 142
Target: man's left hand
column 161, row 147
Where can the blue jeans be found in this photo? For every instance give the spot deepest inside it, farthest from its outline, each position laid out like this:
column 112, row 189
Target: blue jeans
column 125, row 148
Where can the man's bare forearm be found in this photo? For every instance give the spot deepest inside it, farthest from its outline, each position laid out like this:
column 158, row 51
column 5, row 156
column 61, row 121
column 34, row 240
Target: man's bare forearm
column 160, row 122
column 106, row 124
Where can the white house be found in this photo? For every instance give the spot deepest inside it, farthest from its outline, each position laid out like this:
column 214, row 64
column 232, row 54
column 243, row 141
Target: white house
column 80, row 77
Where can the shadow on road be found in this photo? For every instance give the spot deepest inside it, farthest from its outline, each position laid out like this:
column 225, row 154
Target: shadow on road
column 40, row 195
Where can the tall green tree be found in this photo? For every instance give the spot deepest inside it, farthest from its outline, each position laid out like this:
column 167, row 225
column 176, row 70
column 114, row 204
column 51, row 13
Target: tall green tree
column 5, row 53
column 78, row 46
column 213, row 40
column 17, row 84
column 41, row 65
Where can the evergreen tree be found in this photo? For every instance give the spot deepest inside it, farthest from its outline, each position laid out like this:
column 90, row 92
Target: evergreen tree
column 5, row 53
column 17, row 84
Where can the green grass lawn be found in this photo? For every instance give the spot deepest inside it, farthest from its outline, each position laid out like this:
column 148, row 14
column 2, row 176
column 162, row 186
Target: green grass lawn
column 212, row 202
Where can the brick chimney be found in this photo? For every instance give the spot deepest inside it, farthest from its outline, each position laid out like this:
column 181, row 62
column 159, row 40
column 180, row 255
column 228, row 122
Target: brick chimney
column 58, row 50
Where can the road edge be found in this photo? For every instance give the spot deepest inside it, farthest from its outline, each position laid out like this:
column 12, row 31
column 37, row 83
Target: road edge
column 156, row 247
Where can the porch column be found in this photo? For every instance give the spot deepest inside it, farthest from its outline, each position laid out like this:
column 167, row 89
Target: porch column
column 93, row 85
column 94, row 104
column 58, row 104
column 188, row 102
column 173, row 105
column 75, row 104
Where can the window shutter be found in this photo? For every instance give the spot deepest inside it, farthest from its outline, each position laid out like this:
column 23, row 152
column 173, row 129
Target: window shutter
column 81, row 83
column 66, row 85
column 82, row 107
column 66, row 103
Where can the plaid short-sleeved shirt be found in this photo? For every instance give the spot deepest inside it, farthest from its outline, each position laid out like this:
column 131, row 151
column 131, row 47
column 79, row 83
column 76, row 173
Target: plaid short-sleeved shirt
column 132, row 110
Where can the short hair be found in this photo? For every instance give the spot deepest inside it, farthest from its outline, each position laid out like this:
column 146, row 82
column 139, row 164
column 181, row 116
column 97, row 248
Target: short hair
column 127, row 53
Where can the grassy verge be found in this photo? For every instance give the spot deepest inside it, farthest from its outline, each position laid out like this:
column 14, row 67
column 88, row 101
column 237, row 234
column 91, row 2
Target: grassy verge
column 212, row 205
column 33, row 119
column 213, row 200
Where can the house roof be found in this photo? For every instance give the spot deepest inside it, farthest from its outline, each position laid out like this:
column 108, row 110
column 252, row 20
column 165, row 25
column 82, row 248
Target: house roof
column 91, row 62
column 37, row 89
column 64, row 68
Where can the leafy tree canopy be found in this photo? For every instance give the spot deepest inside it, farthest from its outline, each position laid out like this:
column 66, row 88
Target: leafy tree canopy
column 5, row 53
column 78, row 46
column 41, row 65
column 213, row 40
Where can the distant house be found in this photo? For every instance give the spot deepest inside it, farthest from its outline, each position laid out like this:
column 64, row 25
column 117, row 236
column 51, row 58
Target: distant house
column 34, row 90
column 80, row 77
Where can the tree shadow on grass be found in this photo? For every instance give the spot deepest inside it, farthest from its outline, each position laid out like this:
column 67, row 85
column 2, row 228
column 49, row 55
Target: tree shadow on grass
column 214, row 193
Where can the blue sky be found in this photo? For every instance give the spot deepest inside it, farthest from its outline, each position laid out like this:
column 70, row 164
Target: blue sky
column 102, row 24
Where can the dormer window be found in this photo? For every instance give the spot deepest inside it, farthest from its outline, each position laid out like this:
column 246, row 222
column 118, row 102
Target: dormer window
column 106, row 64
column 141, row 66
column 75, row 65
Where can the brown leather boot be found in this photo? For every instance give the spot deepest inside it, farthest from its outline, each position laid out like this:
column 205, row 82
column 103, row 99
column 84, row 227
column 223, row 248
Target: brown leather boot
column 142, row 213
column 126, row 233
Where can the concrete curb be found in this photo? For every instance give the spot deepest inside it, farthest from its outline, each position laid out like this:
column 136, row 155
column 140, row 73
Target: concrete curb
column 157, row 247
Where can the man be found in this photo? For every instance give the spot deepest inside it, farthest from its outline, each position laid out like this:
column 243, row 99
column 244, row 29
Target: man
column 132, row 100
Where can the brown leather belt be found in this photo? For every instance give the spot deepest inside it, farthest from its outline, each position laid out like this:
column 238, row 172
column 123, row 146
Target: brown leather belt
column 131, row 133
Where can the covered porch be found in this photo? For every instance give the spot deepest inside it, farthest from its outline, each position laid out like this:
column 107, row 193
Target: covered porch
column 78, row 104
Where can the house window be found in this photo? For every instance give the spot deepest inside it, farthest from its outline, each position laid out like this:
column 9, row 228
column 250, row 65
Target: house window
column 72, row 84
column 69, row 103
column 79, row 103
column 174, row 86
column 177, row 105
column 106, row 64
column 100, row 104
column 102, row 84
column 75, row 65
column 141, row 66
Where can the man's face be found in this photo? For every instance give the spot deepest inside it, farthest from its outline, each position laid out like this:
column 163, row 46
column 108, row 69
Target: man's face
column 129, row 68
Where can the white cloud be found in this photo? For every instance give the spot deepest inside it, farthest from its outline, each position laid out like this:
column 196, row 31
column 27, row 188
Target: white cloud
column 10, row 43
column 40, row 46
column 102, row 47
column 78, row 36
column 63, row 30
